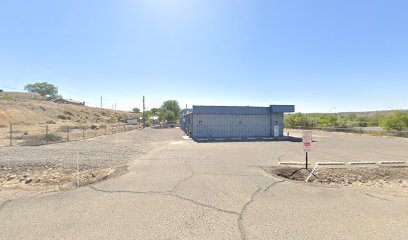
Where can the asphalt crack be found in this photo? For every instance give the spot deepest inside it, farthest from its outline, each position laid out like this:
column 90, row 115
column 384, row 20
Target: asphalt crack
column 273, row 184
column 226, row 174
column 204, row 205
column 241, row 226
column 372, row 196
column 129, row 191
column 164, row 193
column 180, row 182
column 241, row 215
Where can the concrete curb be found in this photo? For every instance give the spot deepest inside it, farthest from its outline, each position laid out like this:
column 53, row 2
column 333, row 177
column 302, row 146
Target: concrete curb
column 362, row 163
column 292, row 163
column 391, row 162
column 332, row 163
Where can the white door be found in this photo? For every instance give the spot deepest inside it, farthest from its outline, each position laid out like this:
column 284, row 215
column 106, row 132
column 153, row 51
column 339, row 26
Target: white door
column 276, row 131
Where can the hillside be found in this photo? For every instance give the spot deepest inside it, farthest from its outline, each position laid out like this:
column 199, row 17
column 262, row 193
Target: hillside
column 363, row 114
column 21, row 110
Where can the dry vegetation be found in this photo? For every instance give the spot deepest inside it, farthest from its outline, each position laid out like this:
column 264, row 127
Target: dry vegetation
column 30, row 111
column 30, row 117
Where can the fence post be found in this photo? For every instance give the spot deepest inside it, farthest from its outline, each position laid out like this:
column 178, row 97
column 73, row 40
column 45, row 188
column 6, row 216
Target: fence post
column 68, row 134
column 11, row 135
column 124, row 128
column 46, row 134
column 83, row 133
column 106, row 127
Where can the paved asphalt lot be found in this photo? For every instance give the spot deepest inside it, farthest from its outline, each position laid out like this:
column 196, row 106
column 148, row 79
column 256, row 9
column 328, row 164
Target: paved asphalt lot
column 188, row 190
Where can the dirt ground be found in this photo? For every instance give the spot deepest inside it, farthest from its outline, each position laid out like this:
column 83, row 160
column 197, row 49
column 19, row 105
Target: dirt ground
column 384, row 179
column 30, row 111
column 22, row 182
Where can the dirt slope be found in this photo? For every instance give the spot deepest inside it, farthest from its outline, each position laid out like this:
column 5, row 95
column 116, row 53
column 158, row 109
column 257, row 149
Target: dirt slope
column 31, row 111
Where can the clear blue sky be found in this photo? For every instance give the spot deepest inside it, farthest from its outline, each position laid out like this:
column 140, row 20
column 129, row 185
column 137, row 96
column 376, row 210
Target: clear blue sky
column 327, row 55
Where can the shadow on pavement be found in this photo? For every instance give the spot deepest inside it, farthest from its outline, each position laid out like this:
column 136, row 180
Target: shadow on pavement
column 218, row 140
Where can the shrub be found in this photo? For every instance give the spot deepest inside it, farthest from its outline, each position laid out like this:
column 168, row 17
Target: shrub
column 7, row 98
column 397, row 121
column 51, row 122
column 68, row 113
column 63, row 117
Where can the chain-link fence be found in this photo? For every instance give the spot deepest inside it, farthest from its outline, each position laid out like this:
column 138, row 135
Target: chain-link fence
column 53, row 167
column 358, row 130
column 41, row 134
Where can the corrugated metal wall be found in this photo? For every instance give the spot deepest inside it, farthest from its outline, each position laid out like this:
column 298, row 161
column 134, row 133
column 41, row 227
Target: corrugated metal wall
column 232, row 125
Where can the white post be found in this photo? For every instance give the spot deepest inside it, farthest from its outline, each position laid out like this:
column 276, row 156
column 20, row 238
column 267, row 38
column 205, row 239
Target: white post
column 307, row 179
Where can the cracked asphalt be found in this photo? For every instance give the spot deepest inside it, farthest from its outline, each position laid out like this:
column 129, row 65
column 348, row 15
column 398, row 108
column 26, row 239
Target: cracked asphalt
column 188, row 190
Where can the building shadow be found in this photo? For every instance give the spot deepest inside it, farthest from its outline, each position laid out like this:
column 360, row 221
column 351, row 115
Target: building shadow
column 220, row 140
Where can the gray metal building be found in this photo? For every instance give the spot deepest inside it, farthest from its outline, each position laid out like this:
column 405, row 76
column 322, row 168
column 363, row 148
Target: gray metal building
column 183, row 123
column 207, row 122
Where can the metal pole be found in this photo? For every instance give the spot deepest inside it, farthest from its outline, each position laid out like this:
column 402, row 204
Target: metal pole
column 306, row 159
column 68, row 134
column 77, row 165
column 11, row 135
column 144, row 119
column 106, row 125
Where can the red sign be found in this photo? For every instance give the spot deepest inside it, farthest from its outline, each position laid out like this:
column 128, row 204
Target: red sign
column 307, row 141
column 307, row 136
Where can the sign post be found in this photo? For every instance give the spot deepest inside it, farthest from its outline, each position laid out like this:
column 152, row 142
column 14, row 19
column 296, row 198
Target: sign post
column 307, row 144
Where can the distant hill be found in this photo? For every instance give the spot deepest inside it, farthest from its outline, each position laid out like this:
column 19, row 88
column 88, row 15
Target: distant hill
column 28, row 108
column 364, row 114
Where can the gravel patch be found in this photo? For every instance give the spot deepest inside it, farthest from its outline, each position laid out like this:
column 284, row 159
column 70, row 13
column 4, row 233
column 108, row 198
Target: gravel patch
column 104, row 151
column 27, row 171
column 390, row 179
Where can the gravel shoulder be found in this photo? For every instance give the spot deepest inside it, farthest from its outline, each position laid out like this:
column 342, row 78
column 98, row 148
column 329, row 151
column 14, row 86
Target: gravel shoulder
column 48, row 168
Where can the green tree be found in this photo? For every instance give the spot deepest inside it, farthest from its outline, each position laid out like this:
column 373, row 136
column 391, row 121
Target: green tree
column 363, row 121
column 47, row 90
column 397, row 121
column 169, row 106
column 328, row 120
column 136, row 110
column 169, row 116
column 297, row 119
column 155, row 111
